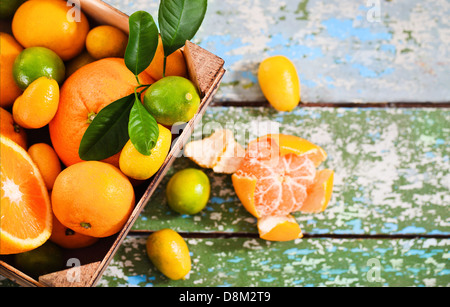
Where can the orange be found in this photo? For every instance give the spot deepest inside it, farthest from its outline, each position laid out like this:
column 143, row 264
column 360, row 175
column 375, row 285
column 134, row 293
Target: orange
column 26, row 215
column 79, row 61
column 279, row 228
column 278, row 176
column 83, row 95
column 106, row 42
column 67, row 238
column 12, row 130
column 175, row 66
column 37, row 106
column 319, row 193
column 270, row 184
column 52, row 24
column 47, row 162
column 279, row 82
column 9, row 50
column 93, row 198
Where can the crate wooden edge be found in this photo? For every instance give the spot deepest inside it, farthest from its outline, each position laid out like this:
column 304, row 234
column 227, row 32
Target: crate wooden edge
column 206, row 71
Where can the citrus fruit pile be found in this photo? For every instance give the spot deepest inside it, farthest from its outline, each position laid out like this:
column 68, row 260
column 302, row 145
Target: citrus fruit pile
column 57, row 74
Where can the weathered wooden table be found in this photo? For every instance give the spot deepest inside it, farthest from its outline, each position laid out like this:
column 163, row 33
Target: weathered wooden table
column 376, row 96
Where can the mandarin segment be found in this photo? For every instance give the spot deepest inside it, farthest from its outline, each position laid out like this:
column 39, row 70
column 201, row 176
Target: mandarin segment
column 319, row 193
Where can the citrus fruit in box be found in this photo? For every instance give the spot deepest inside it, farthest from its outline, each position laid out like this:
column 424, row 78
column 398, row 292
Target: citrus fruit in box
column 278, row 176
column 67, row 238
column 138, row 166
column 45, row 259
column 51, row 24
column 279, row 82
column 38, row 104
column 12, row 130
column 172, row 100
column 47, row 162
column 35, row 62
column 169, row 253
column 106, row 42
column 175, row 64
column 93, row 198
column 83, row 95
column 188, row 191
column 26, row 219
column 9, row 50
column 79, row 61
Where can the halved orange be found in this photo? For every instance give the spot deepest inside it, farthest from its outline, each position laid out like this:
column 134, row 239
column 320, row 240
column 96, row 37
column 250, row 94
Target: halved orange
column 26, row 215
column 279, row 228
column 319, row 193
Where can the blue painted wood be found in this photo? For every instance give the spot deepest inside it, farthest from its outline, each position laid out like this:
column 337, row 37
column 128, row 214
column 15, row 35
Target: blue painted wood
column 344, row 51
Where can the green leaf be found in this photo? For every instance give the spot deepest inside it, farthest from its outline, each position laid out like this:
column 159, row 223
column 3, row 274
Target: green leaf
column 179, row 20
column 142, row 128
column 142, row 42
column 108, row 133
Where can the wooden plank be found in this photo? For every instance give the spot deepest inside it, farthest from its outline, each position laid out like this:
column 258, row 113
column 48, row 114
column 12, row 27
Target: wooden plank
column 311, row 262
column 345, row 51
column 392, row 171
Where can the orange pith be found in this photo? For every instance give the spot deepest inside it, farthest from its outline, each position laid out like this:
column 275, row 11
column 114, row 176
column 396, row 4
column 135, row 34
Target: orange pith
column 278, row 176
column 26, row 216
column 281, row 181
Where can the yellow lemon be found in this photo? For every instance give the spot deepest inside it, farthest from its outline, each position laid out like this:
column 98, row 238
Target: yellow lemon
column 141, row 167
column 279, row 82
column 169, row 253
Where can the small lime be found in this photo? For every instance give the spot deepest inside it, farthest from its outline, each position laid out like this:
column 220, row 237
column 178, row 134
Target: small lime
column 188, row 191
column 35, row 62
column 172, row 100
column 168, row 251
column 45, row 259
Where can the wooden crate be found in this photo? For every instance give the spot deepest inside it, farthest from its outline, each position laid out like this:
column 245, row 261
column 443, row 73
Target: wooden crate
column 206, row 72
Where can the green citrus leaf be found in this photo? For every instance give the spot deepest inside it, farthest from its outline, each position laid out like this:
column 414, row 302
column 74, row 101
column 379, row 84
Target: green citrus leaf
column 142, row 128
column 179, row 20
column 142, row 42
column 107, row 134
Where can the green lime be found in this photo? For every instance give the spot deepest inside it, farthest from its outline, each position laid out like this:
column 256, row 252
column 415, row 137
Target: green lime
column 35, row 62
column 172, row 100
column 188, row 191
column 45, row 259
column 9, row 7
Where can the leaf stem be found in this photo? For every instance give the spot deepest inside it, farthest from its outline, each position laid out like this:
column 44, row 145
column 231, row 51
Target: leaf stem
column 164, row 69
